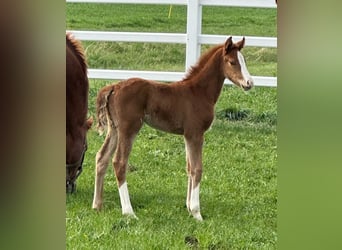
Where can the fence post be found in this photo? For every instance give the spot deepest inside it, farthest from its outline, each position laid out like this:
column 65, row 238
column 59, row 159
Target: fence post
column 194, row 29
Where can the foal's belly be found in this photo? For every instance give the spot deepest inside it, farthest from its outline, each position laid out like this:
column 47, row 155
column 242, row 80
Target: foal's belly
column 166, row 124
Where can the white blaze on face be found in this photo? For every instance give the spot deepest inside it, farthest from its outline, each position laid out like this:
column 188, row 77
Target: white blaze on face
column 244, row 70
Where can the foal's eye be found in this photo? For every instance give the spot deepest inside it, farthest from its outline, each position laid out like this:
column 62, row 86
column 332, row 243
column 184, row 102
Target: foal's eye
column 232, row 62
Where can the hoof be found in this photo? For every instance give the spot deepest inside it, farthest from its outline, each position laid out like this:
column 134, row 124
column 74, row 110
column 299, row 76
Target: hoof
column 97, row 207
column 130, row 216
column 197, row 215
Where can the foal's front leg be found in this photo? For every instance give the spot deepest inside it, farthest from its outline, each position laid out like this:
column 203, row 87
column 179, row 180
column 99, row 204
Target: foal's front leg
column 194, row 166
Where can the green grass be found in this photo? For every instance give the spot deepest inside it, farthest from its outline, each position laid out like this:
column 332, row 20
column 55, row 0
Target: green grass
column 154, row 18
column 238, row 188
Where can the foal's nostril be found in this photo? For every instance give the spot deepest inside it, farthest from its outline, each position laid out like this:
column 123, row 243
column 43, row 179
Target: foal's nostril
column 250, row 83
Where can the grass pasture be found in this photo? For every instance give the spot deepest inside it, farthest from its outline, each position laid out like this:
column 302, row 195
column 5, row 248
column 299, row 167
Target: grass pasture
column 238, row 188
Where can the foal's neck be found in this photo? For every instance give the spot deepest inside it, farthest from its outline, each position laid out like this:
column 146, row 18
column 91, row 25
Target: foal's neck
column 210, row 77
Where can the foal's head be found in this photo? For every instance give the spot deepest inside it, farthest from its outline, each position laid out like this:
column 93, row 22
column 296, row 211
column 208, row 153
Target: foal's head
column 235, row 68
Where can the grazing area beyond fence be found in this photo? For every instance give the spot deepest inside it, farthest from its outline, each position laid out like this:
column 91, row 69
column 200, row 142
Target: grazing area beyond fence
column 193, row 38
column 238, row 188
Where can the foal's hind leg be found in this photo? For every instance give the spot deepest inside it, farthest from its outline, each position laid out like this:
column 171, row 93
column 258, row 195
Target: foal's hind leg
column 120, row 162
column 194, row 167
column 102, row 160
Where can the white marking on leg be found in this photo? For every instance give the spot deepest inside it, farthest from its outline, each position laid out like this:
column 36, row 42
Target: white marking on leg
column 195, row 203
column 125, row 200
column 244, row 69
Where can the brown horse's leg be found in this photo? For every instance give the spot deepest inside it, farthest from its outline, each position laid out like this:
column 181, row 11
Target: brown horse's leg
column 120, row 162
column 102, row 160
column 194, row 157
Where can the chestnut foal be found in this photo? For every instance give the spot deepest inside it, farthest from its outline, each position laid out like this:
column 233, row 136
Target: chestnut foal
column 185, row 108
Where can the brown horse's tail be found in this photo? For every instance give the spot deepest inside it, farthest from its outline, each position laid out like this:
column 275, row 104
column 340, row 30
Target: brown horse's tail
column 102, row 111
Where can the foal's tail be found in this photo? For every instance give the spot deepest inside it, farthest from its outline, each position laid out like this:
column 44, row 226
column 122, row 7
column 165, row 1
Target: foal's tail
column 102, row 111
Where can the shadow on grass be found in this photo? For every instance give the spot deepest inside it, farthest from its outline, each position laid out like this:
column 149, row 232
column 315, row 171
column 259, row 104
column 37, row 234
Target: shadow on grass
column 233, row 114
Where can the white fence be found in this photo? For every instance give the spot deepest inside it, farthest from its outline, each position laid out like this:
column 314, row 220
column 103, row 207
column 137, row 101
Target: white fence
column 193, row 38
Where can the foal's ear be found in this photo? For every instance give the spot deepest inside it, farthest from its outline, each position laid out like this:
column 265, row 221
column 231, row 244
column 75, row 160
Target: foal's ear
column 228, row 45
column 241, row 43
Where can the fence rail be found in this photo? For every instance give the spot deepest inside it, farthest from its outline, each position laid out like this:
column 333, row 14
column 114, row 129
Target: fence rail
column 193, row 38
column 167, row 38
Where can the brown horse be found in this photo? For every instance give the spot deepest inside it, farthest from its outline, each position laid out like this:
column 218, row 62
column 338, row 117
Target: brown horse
column 185, row 108
column 77, row 125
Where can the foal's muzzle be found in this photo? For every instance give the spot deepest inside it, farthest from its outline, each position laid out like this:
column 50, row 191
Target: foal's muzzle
column 248, row 85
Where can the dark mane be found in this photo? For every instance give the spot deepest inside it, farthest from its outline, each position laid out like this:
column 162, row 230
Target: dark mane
column 76, row 46
column 194, row 70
